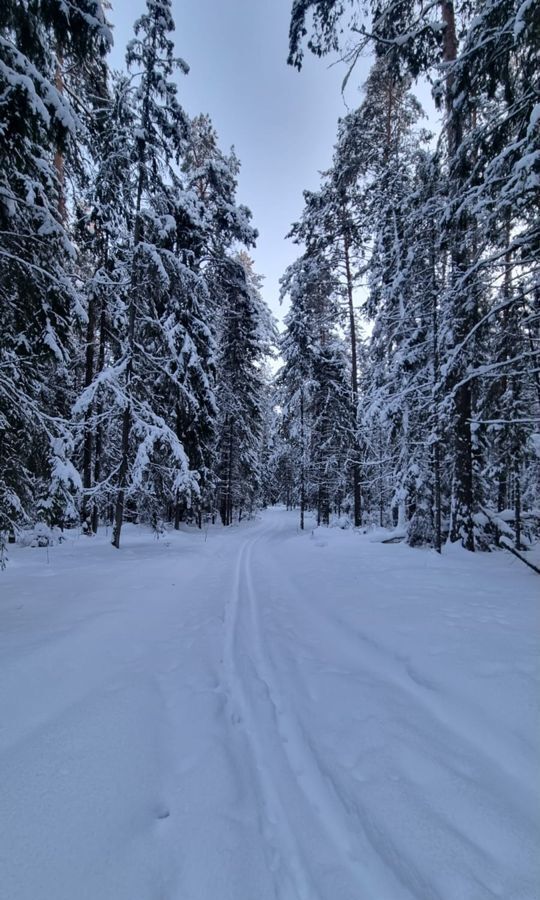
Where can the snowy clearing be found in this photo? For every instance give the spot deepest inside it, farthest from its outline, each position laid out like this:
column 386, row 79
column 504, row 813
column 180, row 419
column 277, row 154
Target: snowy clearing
column 257, row 713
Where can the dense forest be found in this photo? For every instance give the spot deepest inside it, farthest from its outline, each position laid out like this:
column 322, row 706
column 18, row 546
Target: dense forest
column 134, row 335
column 434, row 416
column 134, row 341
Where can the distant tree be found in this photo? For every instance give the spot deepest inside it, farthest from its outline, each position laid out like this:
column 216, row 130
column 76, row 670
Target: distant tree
column 315, row 387
column 246, row 333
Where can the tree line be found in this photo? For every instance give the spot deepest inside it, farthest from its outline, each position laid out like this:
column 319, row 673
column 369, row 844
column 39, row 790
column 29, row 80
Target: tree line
column 134, row 341
column 410, row 391
column 133, row 331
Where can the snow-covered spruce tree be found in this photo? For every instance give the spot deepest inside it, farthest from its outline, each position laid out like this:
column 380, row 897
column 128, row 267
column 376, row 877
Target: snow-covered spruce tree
column 156, row 348
column 492, row 226
column 211, row 181
column 375, row 152
column 423, row 273
column 38, row 297
column 332, row 433
column 492, row 84
column 295, row 378
column 272, row 441
column 400, row 372
column 212, row 176
column 283, row 465
column 315, row 387
column 246, row 335
column 371, row 214
column 330, row 225
column 103, row 232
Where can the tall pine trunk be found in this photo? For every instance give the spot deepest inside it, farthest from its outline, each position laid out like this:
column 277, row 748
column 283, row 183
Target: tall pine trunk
column 461, row 307
column 436, row 373
column 127, row 414
column 357, row 496
column 88, row 439
column 98, row 443
column 302, row 463
column 230, row 476
column 132, row 314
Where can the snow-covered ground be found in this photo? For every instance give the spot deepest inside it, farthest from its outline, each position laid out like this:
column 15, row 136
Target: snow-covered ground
column 255, row 713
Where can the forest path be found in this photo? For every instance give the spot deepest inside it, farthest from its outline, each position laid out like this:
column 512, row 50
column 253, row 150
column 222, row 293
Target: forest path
column 304, row 819
column 256, row 713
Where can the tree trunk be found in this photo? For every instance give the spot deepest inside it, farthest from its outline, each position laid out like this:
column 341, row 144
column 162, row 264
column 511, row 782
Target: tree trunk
column 122, row 478
column 463, row 526
column 381, row 481
column 302, row 464
column 226, row 501
column 126, row 416
column 98, row 446
column 132, row 313
column 463, row 523
column 437, row 518
column 126, row 431
column 517, row 504
column 58, row 155
column 357, row 496
column 88, row 436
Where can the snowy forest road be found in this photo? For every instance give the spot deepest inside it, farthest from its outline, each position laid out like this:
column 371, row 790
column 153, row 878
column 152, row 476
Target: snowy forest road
column 259, row 714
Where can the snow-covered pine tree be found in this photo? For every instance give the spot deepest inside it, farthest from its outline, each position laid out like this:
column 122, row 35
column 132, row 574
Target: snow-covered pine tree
column 295, row 377
column 332, row 429
column 281, row 466
column 272, row 440
column 374, row 158
column 330, row 226
column 103, row 230
column 246, row 336
column 38, row 297
column 213, row 176
column 492, row 85
column 424, row 276
column 315, row 386
column 210, row 178
column 154, row 467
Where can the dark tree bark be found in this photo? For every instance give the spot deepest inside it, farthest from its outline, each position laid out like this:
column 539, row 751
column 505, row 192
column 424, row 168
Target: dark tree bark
column 437, row 515
column 88, row 439
column 127, row 414
column 98, row 445
column 302, row 464
column 463, row 313
column 357, row 496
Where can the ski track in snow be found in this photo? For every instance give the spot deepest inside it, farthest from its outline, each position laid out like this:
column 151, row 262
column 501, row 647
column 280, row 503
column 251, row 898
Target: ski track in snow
column 243, row 711
column 387, row 675
column 267, row 715
column 281, row 753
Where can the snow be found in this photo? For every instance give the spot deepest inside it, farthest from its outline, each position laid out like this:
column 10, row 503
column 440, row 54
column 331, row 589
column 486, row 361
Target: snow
column 520, row 22
column 255, row 713
column 534, row 120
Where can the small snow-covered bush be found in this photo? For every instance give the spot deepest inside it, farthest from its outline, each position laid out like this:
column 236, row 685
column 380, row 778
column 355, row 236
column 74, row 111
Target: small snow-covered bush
column 41, row 535
column 342, row 522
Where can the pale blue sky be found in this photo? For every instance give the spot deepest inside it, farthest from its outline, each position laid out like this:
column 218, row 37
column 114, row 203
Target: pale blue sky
column 281, row 122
